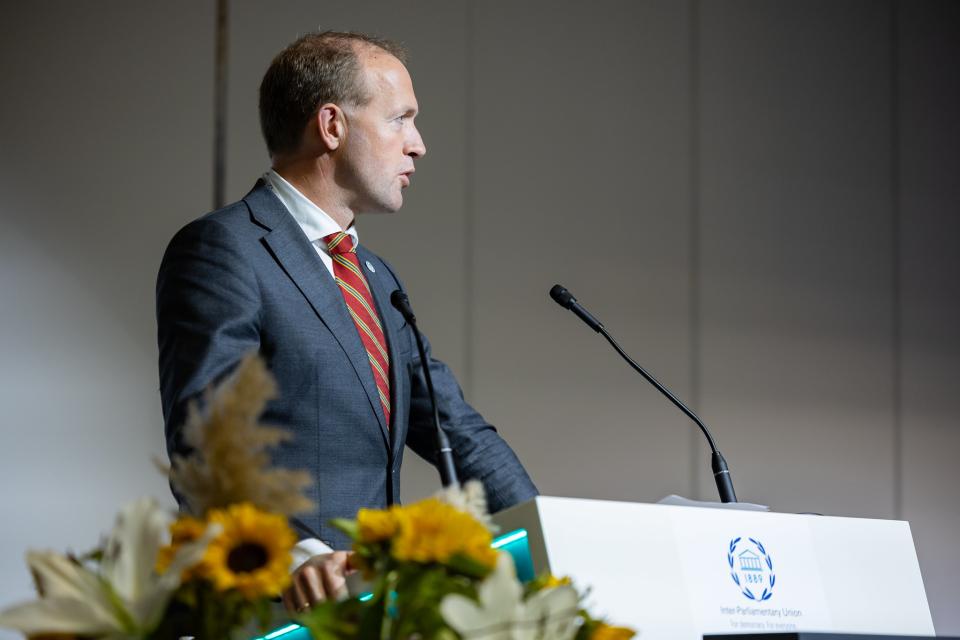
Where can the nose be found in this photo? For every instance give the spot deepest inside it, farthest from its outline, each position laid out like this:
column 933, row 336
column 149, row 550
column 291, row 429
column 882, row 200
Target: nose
column 415, row 146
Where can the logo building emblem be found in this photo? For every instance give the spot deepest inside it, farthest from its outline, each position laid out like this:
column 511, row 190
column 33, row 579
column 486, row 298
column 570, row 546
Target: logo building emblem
column 751, row 569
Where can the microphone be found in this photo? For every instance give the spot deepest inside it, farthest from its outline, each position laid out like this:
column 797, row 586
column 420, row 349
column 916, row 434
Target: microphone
column 402, row 304
column 566, row 300
column 721, row 473
column 448, row 473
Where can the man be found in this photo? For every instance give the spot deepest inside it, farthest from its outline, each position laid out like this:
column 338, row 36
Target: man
column 281, row 272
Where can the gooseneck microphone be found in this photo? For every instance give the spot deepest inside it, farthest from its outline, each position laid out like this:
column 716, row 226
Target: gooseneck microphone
column 448, row 473
column 721, row 474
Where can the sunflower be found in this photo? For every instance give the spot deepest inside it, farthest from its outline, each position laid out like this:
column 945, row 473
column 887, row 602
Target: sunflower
column 375, row 525
column 433, row 531
column 552, row 581
column 252, row 554
column 183, row 530
column 604, row 631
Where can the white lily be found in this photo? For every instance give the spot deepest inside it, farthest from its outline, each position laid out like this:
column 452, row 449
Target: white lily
column 124, row 599
column 502, row 614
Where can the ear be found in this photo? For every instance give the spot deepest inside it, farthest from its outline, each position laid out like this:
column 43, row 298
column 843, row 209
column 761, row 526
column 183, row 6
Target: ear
column 331, row 125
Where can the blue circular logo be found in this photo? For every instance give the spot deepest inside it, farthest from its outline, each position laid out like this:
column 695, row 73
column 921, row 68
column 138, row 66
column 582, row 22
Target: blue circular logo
column 751, row 569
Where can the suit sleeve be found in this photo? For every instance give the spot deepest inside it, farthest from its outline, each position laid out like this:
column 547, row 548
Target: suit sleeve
column 479, row 451
column 208, row 307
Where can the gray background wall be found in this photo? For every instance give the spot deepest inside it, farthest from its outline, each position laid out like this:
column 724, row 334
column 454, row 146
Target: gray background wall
column 758, row 198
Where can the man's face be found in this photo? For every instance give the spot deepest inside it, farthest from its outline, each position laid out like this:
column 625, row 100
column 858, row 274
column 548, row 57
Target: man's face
column 381, row 142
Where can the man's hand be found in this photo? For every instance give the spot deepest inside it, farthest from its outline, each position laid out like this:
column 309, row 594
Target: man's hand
column 320, row 578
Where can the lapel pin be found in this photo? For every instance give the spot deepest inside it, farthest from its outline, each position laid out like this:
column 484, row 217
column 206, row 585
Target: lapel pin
column 370, row 266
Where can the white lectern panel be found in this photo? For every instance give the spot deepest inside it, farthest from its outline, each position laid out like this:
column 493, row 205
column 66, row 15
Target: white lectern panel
column 681, row 572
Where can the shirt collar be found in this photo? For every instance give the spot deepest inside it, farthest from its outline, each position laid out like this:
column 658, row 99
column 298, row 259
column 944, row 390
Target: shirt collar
column 315, row 222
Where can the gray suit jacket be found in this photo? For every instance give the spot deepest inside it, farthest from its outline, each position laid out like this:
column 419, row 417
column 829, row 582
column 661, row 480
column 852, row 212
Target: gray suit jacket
column 246, row 278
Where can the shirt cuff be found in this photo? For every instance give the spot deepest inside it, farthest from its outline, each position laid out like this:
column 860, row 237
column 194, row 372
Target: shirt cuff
column 306, row 548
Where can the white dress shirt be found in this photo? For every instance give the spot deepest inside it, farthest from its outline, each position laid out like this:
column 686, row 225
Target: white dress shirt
column 315, row 222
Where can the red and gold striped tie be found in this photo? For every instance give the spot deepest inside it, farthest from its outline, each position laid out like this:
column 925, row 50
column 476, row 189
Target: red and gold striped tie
column 356, row 293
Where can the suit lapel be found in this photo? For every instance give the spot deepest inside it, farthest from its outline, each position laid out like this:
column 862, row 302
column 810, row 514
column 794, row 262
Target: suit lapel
column 299, row 259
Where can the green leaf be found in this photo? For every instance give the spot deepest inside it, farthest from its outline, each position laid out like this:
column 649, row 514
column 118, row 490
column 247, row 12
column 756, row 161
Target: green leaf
column 332, row 620
column 349, row 527
column 468, row 566
column 419, row 591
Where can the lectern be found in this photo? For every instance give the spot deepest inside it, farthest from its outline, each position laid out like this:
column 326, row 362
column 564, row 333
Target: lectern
column 685, row 572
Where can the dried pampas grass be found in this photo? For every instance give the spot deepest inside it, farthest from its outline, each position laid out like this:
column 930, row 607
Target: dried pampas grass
column 230, row 463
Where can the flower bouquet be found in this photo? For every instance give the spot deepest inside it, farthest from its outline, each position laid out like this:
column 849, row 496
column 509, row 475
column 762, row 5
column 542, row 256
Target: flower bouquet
column 433, row 574
column 206, row 573
column 219, row 567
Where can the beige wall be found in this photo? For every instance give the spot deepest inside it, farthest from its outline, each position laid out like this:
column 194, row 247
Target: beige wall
column 758, row 199
column 105, row 132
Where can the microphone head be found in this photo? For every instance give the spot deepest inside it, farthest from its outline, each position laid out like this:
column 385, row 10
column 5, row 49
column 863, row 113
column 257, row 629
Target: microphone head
column 401, row 303
column 398, row 299
column 561, row 296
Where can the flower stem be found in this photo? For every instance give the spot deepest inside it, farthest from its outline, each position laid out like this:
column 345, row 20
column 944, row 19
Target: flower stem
column 389, row 588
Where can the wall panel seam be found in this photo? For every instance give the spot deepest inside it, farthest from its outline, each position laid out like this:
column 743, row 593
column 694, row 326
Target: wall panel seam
column 469, row 205
column 896, row 267
column 221, row 67
column 694, row 236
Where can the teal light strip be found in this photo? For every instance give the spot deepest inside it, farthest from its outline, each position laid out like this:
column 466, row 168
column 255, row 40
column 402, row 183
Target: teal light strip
column 517, row 544
column 282, row 631
column 514, row 542
column 507, row 538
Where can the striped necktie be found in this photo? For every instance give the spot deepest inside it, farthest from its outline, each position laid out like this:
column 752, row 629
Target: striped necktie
column 356, row 293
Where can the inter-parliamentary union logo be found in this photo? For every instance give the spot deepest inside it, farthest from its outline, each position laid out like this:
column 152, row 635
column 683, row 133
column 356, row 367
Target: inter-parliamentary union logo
column 751, row 568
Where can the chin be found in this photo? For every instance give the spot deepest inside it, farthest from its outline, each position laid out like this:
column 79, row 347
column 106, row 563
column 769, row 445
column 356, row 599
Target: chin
column 385, row 208
column 393, row 206
column 382, row 206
